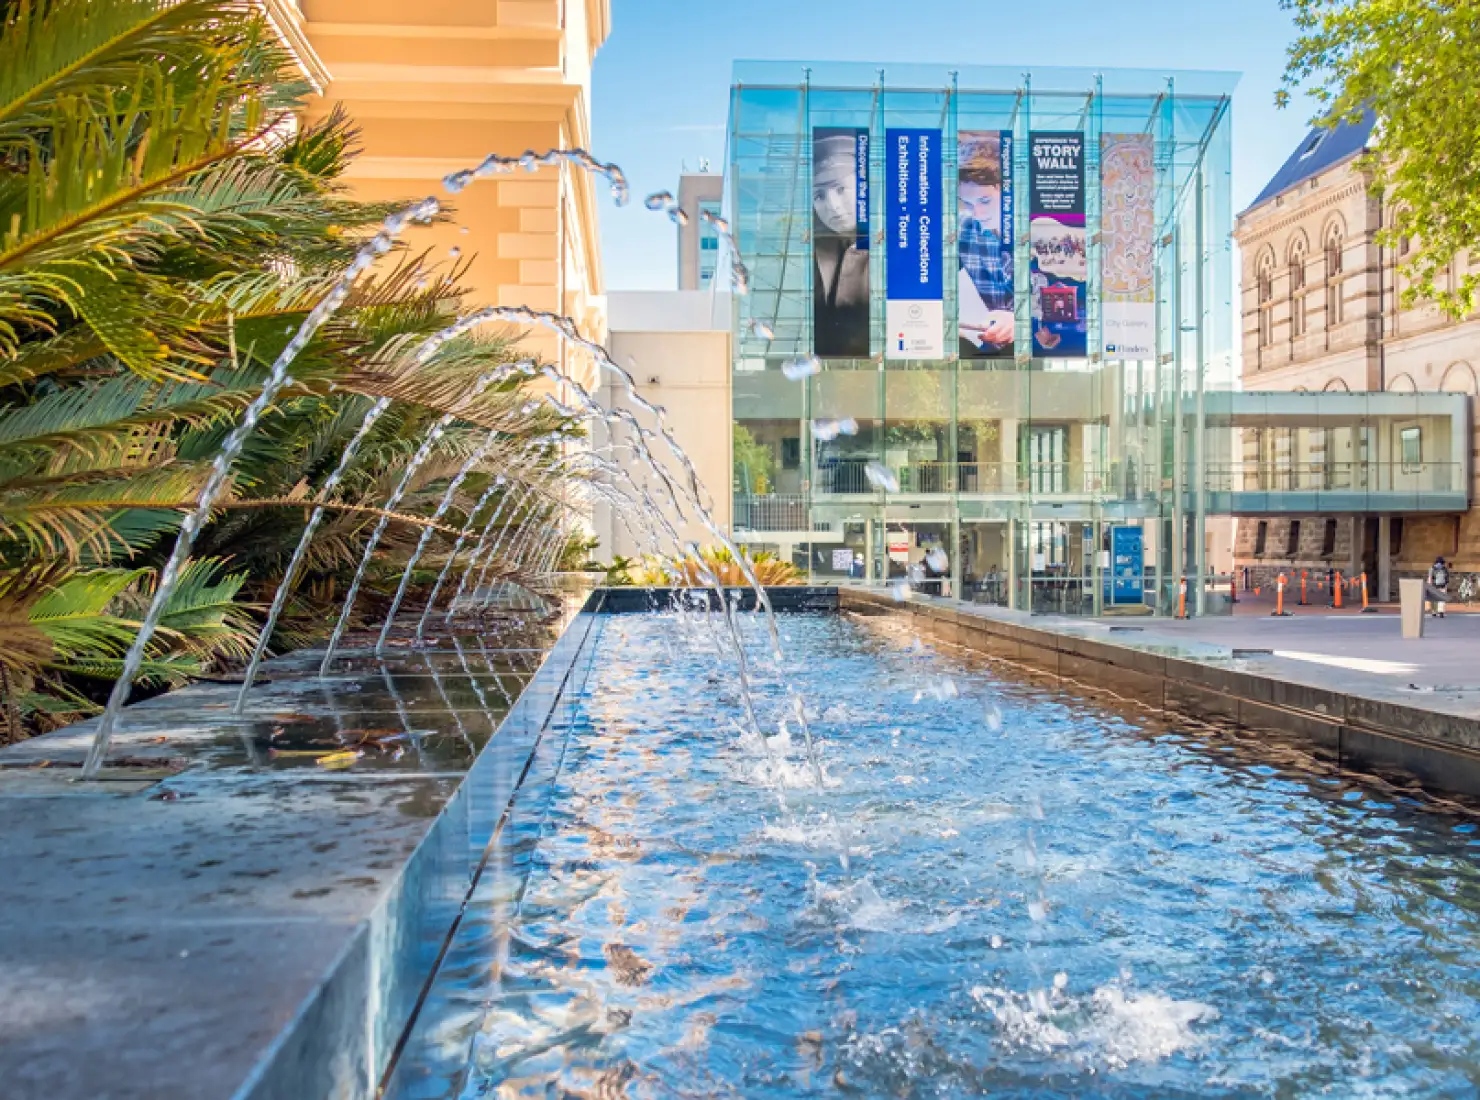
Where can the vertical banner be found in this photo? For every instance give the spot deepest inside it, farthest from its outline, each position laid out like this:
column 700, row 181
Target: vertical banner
column 984, row 244
column 840, row 240
column 1128, row 256
column 1058, row 264
column 914, row 290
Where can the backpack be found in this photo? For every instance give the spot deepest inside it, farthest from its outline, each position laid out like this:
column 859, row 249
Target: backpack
column 1441, row 576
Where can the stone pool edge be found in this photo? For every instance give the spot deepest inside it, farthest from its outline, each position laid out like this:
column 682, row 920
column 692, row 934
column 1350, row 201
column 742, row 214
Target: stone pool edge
column 1359, row 732
column 180, row 1016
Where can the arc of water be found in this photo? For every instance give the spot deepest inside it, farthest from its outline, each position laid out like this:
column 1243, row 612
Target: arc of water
column 530, row 161
column 443, row 506
column 215, row 485
column 494, row 486
column 524, row 493
column 526, row 530
column 280, row 598
column 416, row 213
column 428, row 443
column 566, row 330
column 462, row 539
column 739, row 274
column 476, row 554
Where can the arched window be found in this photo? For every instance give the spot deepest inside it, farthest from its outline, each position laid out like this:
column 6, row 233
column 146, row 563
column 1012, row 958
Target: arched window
column 1297, row 288
column 1334, row 278
column 1459, row 378
column 1266, row 300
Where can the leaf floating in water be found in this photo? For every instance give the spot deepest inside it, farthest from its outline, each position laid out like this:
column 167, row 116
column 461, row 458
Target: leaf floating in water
column 337, row 760
column 881, row 477
column 803, row 367
column 627, row 965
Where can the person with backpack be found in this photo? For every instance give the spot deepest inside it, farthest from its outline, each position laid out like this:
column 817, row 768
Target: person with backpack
column 1439, row 582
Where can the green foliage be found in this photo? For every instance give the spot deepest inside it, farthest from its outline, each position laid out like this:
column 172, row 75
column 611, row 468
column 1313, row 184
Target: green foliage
column 755, row 463
column 1413, row 62
column 163, row 232
column 713, row 563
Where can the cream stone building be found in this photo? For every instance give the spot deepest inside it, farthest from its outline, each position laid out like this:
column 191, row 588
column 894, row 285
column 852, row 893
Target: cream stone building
column 1321, row 313
column 436, row 85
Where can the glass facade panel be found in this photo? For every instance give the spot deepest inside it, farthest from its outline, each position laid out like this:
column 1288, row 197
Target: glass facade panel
column 1037, row 430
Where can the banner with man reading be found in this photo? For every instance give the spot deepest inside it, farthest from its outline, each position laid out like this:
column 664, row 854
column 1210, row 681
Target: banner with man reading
column 984, row 244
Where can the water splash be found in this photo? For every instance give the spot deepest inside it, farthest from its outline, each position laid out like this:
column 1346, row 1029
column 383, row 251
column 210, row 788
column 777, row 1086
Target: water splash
column 804, row 366
column 937, row 559
column 881, row 477
column 826, row 428
column 664, row 202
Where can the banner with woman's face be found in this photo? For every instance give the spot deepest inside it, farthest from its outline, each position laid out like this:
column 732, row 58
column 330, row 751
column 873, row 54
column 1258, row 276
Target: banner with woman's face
column 840, row 241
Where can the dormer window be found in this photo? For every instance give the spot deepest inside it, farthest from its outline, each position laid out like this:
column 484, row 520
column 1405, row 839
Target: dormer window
column 1313, row 143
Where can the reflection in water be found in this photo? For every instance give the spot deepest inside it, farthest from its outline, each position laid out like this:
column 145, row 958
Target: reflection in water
column 999, row 889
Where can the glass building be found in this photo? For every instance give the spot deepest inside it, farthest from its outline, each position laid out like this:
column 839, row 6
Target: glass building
column 987, row 310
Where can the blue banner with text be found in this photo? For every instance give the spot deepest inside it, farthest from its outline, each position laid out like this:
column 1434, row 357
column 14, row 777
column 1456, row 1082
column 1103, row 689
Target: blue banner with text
column 914, row 282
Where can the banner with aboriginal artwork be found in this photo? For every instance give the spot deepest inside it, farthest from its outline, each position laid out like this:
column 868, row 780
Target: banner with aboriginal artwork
column 1128, row 253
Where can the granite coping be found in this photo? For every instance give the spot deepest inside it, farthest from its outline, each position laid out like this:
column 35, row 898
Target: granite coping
column 219, row 916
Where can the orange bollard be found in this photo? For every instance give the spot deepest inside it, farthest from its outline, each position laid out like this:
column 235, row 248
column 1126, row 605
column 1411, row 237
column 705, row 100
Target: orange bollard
column 1303, row 575
column 1336, row 590
column 1182, row 599
column 1366, row 607
column 1279, row 598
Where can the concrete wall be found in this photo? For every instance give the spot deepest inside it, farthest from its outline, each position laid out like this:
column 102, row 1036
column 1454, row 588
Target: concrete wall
column 677, row 346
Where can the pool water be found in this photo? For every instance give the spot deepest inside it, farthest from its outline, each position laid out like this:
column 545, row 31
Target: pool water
column 1000, row 889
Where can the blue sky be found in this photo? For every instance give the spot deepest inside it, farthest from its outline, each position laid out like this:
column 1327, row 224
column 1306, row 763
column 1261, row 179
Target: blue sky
column 662, row 79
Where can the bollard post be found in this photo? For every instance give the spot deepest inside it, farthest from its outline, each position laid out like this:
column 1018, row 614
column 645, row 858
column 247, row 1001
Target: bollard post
column 1279, row 596
column 1182, row 599
column 1304, row 574
column 1367, row 607
column 1336, row 590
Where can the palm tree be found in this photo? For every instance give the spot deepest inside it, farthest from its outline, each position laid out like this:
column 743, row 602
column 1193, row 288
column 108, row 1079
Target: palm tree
column 165, row 225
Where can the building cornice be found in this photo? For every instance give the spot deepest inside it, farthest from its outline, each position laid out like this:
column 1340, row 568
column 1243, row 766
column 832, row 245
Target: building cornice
column 284, row 18
column 598, row 23
column 1263, row 225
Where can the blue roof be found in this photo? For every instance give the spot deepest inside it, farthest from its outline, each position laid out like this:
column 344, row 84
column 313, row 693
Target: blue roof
column 1321, row 149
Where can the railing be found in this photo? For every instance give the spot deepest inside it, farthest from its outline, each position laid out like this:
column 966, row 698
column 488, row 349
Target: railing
column 1335, row 477
column 773, row 512
column 847, row 476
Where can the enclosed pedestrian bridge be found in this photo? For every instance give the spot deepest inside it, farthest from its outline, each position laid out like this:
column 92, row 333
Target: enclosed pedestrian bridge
column 1298, row 453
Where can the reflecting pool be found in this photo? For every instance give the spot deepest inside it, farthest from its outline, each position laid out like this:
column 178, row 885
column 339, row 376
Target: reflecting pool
column 1000, row 889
